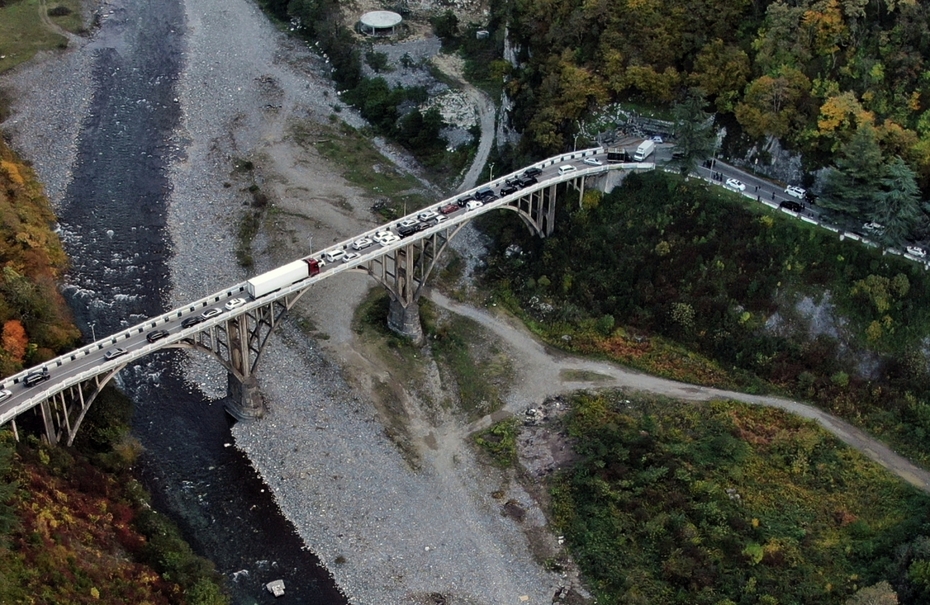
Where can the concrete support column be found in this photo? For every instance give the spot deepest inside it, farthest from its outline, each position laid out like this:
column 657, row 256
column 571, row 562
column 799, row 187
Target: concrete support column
column 405, row 320
column 244, row 399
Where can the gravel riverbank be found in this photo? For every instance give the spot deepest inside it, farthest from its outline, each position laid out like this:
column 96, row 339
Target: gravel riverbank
column 389, row 534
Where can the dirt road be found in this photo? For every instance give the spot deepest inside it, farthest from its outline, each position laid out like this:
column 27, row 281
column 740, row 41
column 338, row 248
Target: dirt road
column 544, row 372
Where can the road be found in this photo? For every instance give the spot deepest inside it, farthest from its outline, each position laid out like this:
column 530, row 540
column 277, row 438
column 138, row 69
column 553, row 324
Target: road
column 546, row 372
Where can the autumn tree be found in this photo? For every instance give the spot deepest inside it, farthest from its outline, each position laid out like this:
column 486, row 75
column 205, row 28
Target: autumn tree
column 771, row 104
column 877, row 594
column 15, row 340
column 840, row 116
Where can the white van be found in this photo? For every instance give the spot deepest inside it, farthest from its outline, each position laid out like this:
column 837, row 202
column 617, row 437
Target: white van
column 332, row 256
column 565, row 169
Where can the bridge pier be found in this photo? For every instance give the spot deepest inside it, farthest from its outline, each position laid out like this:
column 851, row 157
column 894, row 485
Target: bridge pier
column 405, row 320
column 244, row 399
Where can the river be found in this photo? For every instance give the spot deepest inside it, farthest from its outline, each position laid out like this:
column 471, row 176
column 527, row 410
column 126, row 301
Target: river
column 113, row 223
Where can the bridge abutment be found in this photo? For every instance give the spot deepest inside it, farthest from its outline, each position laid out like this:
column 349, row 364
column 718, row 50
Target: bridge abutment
column 244, row 399
column 405, row 320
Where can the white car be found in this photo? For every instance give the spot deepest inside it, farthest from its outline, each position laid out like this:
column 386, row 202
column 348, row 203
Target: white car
column 440, row 218
column 408, row 222
column 657, row 139
column 736, row 185
column 592, row 162
column 426, row 215
column 114, row 353
column 211, row 313
column 473, row 204
column 794, row 191
column 331, row 256
column 361, row 243
column 874, row 227
column 350, row 256
column 385, row 237
column 5, row 394
column 234, row 303
column 916, row 251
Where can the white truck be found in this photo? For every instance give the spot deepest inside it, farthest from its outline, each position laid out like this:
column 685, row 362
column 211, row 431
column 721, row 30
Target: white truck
column 645, row 149
column 266, row 283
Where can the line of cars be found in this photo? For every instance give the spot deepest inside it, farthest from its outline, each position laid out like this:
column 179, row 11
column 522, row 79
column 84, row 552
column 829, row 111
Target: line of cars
column 428, row 217
column 40, row 375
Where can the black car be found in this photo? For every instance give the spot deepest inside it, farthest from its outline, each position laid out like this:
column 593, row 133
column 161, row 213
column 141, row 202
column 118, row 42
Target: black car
column 508, row 189
column 410, row 230
column 156, row 335
column 792, row 206
column 532, row 171
column 191, row 321
column 526, row 181
column 34, row 378
column 484, row 193
column 464, row 200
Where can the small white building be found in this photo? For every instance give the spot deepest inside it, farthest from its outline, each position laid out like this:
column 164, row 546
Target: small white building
column 379, row 23
column 276, row 587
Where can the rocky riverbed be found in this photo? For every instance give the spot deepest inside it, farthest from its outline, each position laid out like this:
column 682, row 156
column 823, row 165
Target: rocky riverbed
column 389, row 533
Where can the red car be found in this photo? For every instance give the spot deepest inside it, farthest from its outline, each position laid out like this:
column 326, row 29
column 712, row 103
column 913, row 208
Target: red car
column 449, row 208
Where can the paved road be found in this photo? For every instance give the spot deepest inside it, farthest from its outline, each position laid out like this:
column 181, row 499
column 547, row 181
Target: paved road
column 543, row 372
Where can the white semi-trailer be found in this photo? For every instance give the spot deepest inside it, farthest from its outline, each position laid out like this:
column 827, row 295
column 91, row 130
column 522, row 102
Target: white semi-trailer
column 266, row 283
column 644, row 150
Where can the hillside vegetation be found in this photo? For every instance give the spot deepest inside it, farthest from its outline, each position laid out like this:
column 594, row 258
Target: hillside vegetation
column 809, row 72
column 723, row 503
column 36, row 322
column 688, row 281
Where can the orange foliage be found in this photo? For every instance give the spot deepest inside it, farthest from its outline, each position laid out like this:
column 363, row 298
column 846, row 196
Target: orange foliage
column 15, row 339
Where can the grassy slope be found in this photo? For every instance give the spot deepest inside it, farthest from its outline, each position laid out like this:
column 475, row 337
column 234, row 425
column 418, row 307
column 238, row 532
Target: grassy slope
column 679, row 503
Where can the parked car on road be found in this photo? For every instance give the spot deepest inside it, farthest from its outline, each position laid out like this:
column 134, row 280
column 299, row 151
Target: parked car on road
column 449, row 208
column 508, row 189
column 794, row 191
column 916, row 251
column 361, row 243
column 191, row 321
column 350, row 256
column 34, row 378
column 408, row 222
column 211, row 312
column 426, row 215
column 592, row 162
column 736, row 185
column 234, row 303
column 657, row 139
column 474, row 204
column 114, row 353
column 532, row 171
column 792, row 206
column 156, row 335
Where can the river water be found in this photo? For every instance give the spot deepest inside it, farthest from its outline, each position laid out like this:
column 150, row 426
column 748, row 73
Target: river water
column 113, row 223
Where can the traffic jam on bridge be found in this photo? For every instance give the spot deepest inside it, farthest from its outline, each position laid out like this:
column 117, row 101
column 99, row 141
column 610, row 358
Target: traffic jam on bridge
column 110, row 354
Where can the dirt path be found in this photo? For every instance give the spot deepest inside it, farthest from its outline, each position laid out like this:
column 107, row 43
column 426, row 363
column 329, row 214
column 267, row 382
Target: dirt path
column 486, row 114
column 545, row 372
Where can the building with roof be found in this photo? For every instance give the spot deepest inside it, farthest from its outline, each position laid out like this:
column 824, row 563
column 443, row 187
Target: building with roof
column 379, row 23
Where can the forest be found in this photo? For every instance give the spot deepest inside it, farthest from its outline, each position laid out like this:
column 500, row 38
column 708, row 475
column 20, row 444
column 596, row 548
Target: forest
column 726, row 504
column 686, row 280
column 809, row 72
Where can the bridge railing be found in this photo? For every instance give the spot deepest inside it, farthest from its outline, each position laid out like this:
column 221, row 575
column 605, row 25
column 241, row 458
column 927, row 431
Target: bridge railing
column 152, row 323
